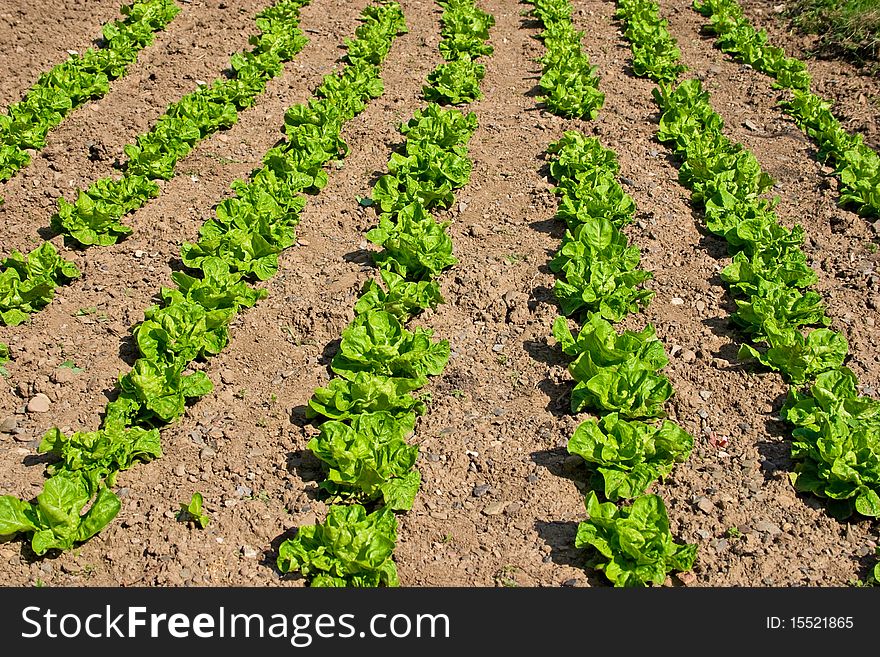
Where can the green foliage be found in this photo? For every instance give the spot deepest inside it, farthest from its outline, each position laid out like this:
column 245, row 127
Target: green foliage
column 193, row 512
column 416, row 247
column 598, row 272
column 105, row 452
column 634, row 545
column 351, row 548
column 848, row 27
column 568, row 82
column 655, row 54
column 57, row 519
column 366, row 393
column 596, row 269
column 370, row 459
column 455, row 83
column 630, row 455
column 400, row 297
column 615, row 372
column 377, row 343
column 836, row 443
column 84, row 76
column 4, row 358
column 27, row 283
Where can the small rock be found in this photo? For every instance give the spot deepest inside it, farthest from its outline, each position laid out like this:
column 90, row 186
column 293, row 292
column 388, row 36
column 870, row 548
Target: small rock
column 480, row 490
column 8, row 424
column 138, row 254
column 676, row 301
column 180, row 470
column 705, row 394
column 477, row 231
column 494, row 508
column 39, row 403
column 574, row 581
column 704, row 504
column 751, row 126
column 244, row 491
column 249, row 552
column 766, row 527
column 700, row 306
column 686, row 578
column 207, row 453
column 227, row 376
column 63, row 375
column 512, row 508
column 689, row 356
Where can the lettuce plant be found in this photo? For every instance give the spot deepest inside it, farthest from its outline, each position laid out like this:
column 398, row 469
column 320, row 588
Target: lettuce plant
column 633, row 543
column 350, row 548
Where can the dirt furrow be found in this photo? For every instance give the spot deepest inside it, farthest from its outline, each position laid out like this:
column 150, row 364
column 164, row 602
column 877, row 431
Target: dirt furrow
column 854, row 90
column 236, row 445
column 501, row 498
column 37, row 35
column 841, row 245
column 90, row 319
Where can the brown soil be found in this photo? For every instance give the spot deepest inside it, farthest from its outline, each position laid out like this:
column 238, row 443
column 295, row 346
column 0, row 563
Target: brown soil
column 501, row 499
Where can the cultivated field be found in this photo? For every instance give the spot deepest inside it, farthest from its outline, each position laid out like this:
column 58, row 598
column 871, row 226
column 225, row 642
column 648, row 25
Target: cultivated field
column 227, row 378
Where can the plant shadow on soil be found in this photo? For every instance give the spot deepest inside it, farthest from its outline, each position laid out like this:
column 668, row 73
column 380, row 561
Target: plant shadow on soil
column 776, row 458
column 360, row 257
column 269, row 557
column 558, row 392
column 558, row 534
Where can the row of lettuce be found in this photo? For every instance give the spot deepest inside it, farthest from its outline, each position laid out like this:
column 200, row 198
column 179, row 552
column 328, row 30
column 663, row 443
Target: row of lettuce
column 598, row 282
column 857, row 165
column 368, row 410
column 28, row 282
column 190, row 324
column 82, row 77
column 836, row 435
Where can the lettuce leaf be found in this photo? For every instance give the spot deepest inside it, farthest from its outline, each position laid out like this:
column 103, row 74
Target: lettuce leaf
column 630, row 455
column 350, row 549
column 370, row 459
column 634, row 545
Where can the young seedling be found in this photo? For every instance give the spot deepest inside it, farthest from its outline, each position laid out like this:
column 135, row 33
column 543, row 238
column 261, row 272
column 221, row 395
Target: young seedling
column 192, row 512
